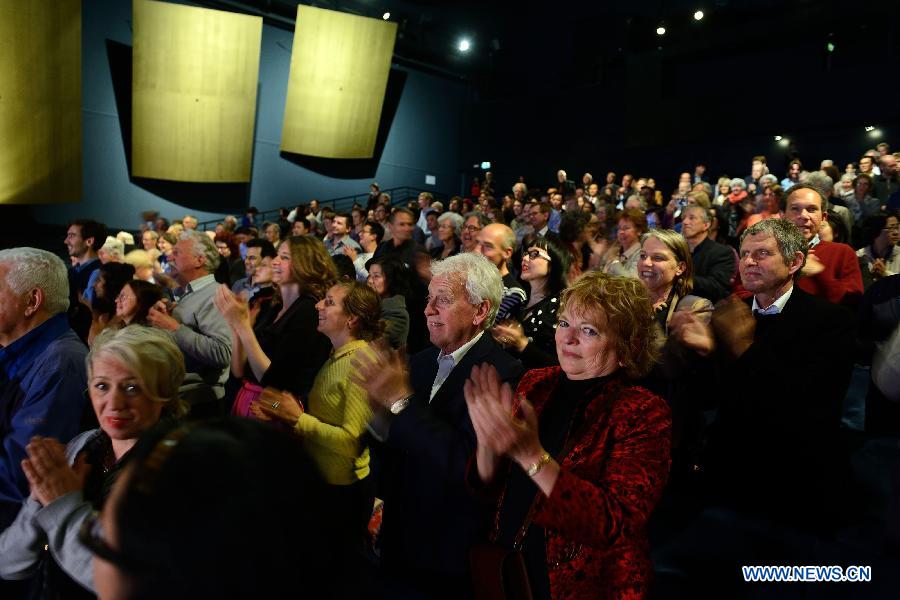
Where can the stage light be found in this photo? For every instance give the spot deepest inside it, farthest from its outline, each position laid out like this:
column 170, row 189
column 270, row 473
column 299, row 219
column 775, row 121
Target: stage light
column 698, row 16
column 777, row 138
column 386, row 16
column 783, row 141
column 464, row 45
column 660, row 30
column 875, row 133
column 486, row 165
column 870, row 128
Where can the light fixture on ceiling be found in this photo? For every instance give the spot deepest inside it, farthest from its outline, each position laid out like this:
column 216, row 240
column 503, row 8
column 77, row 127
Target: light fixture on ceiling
column 386, row 16
column 464, row 45
column 777, row 138
column 698, row 16
column 661, row 30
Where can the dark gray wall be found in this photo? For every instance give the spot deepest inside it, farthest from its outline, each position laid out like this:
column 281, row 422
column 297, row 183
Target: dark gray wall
column 424, row 138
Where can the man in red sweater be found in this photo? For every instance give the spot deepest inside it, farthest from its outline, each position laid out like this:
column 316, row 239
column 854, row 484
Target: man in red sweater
column 832, row 270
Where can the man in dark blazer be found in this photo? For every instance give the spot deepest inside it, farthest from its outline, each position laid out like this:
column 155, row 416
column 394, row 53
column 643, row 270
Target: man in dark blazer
column 420, row 413
column 783, row 357
column 714, row 263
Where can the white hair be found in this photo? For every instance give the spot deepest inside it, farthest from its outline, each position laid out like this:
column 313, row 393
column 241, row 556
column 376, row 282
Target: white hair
column 113, row 247
column 31, row 268
column 202, row 246
column 768, row 177
column 481, row 279
column 455, row 219
column 738, row 182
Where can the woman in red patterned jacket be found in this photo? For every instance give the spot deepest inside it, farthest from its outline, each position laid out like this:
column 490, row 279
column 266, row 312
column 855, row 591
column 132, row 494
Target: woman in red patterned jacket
column 577, row 458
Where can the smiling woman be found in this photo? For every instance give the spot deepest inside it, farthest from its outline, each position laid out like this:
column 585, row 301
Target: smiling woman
column 582, row 454
column 133, row 379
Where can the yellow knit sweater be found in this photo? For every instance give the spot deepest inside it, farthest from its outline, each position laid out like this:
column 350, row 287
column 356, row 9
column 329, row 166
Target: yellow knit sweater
column 337, row 411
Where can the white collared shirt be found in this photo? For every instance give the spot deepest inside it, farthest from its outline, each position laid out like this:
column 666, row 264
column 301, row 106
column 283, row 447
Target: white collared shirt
column 446, row 363
column 814, row 241
column 777, row 306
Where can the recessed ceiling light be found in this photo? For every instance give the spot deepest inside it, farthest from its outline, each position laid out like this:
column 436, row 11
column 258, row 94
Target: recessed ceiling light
column 698, row 16
column 386, row 16
column 464, row 45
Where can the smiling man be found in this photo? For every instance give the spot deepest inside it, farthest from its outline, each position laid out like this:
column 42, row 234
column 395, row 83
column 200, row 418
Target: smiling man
column 774, row 449
column 832, row 269
column 430, row 519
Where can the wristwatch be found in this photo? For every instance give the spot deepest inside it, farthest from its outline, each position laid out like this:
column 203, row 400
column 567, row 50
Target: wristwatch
column 535, row 468
column 398, row 406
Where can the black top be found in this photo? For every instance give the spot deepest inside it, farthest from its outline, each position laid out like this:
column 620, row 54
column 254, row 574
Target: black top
column 539, row 325
column 296, row 349
column 563, row 414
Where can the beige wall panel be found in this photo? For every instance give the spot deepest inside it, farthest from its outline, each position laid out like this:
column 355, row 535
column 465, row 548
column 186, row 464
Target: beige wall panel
column 339, row 72
column 193, row 92
column 40, row 101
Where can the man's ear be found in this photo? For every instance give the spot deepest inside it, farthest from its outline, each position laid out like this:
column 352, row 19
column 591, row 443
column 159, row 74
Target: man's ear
column 35, row 301
column 797, row 263
column 90, row 242
column 481, row 313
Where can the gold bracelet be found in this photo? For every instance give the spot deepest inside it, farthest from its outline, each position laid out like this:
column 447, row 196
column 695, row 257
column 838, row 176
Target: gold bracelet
column 535, row 468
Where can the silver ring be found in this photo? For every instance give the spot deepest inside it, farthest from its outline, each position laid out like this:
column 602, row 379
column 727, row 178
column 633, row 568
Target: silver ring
column 275, row 405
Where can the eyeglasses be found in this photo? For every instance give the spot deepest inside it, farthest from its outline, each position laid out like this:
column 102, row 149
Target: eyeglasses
column 536, row 254
column 471, row 228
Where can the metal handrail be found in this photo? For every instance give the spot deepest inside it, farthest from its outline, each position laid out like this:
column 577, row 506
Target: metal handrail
column 342, row 204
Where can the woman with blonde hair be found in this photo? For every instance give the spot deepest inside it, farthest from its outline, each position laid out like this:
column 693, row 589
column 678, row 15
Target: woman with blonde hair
column 133, row 379
column 283, row 348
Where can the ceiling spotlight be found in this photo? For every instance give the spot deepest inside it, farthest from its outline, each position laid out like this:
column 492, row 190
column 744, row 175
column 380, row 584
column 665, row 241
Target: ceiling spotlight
column 464, row 45
column 783, row 141
column 870, row 128
column 875, row 133
column 829, row 46
column 698, row 16
column 386, row 16
column 777, row 138
column 660, row 30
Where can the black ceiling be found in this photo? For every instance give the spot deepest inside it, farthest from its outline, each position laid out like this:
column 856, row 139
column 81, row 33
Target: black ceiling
column 566, row 44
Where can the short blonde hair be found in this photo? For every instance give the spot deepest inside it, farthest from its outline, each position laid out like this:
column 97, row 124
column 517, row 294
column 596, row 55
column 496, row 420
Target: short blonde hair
column 152, row 356
column 625, row 303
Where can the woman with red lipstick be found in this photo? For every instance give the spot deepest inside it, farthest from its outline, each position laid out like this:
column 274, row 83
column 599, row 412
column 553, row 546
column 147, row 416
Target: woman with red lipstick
column 579, row 459
column 531, row 337
column 282, row 348
column 133, row 379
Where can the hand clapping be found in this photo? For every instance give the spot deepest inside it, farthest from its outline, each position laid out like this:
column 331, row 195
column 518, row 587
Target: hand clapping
column 48, row 470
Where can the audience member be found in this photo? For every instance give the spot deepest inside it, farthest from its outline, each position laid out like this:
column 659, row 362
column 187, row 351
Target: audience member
column 256, row 250
column 41, row 363
column 448, row 233
column 231, row 266
column 880, row 256
column 389, row 278
column 370, row 236
column 715, row 265
column 401, row 223
column 340, row 235
column 199, row 330
column 622, row 257
column 422, row 417
column 530, row 337
column 831, row 270
column 581, row 457
column 134, row 375
column 496, row 242
column 265, row 352
column 83, row 239
column 135, row 300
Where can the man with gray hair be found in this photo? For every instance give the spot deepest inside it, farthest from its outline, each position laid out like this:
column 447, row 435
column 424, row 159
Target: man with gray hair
column 430, row 519
column 775, row 450
column 42, row 365
column 198, row 328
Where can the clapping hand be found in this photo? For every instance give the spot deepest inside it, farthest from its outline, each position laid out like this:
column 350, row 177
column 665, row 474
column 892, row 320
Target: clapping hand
column 235, row 311
column 502, row 426
column 159, row 317
column 48, row 471
column 383, row 373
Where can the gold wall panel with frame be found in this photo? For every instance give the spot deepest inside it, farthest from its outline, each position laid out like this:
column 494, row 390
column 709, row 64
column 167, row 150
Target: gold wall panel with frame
column 194, row 87
column 339, row 71
column 40, row 101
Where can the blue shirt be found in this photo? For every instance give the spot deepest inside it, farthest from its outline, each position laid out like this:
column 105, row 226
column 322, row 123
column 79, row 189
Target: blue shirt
column 42, row 382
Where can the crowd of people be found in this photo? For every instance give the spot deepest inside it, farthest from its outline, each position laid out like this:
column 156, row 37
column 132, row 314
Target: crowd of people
column 568, row 391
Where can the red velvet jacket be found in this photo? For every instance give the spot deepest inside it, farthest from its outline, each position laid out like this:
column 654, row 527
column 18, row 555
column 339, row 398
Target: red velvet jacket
column 608, row 484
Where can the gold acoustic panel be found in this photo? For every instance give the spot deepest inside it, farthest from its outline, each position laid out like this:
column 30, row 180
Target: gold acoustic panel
column 339, row 72
column 40, row 101
column 194, row 83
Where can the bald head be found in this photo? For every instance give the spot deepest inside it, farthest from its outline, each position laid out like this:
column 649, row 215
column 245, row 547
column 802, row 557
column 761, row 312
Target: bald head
column 496, row 242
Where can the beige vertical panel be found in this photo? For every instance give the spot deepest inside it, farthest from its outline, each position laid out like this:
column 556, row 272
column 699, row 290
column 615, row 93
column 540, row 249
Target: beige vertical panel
column 40, row 101
column 193, row 92
column 339, row 71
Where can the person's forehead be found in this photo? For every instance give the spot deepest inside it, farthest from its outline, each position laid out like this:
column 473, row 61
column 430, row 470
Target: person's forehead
column 805, row 198
column 447, row 283
column 759, row 240
column 253, row 251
